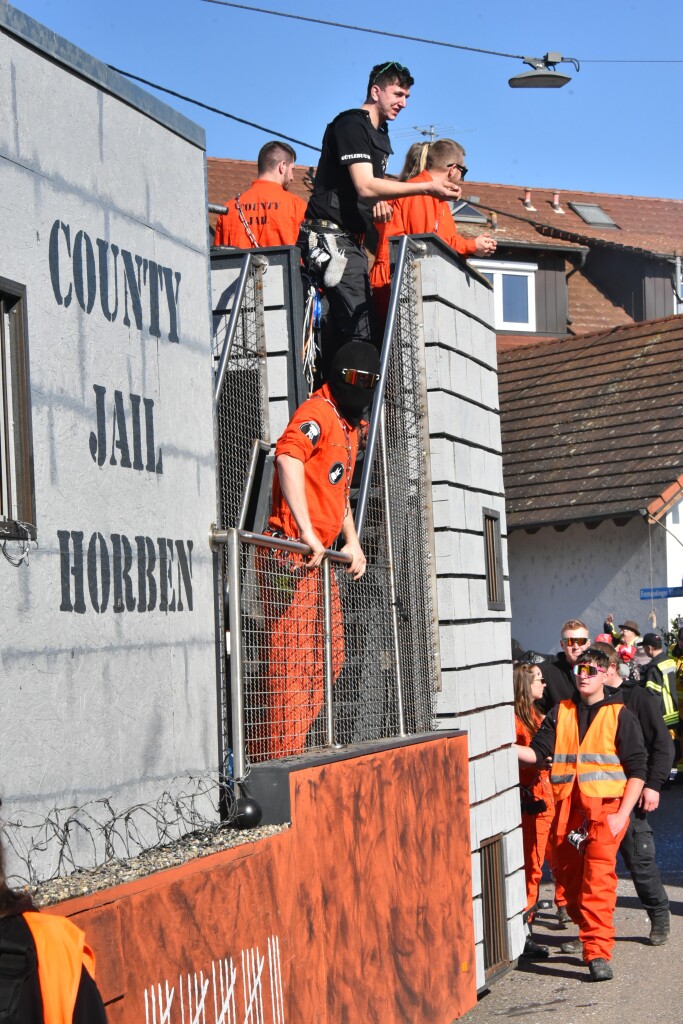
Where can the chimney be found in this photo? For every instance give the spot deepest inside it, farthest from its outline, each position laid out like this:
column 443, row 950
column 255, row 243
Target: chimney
column 494, row 220
column 528, row 205
column 556, row 203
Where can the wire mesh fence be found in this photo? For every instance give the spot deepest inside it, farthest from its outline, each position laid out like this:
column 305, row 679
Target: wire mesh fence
column 370, row 670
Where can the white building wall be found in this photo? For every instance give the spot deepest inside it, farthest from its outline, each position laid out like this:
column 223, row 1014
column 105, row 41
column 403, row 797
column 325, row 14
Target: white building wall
column 467, row 477
column 582, row 573
column 107, row 660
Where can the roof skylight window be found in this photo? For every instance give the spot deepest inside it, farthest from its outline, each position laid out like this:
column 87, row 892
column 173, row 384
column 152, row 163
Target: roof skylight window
column 462, row 211
column 593, row 215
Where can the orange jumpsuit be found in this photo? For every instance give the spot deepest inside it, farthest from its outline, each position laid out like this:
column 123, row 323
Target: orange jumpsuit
column 413, row 215
column 319, row 437
column 535, row 827
column 272, row 214
column 588, row 781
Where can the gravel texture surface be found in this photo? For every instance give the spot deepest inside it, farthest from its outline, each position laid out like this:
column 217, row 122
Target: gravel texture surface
column 197, row 844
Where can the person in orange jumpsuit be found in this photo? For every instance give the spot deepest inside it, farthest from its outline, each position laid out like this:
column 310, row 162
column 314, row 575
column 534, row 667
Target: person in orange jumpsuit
column 599, row 766
column 314, row 460
column 266, row 213
column 439, row 162
column 47, row 971
column 538, row 804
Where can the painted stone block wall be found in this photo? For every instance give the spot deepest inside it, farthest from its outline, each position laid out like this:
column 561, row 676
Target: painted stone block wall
column 467, row 477
column 107, row 662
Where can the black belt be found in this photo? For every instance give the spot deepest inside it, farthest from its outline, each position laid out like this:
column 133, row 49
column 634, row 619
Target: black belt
column 324, row 225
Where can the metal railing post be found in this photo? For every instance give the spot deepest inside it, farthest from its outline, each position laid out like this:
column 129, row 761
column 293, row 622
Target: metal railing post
column 400, row 708
column 249, row 259
column 327, row 634
column 236, row 655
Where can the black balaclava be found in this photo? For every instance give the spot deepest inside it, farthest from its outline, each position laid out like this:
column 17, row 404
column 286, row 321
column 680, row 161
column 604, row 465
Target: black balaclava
column 353, row 401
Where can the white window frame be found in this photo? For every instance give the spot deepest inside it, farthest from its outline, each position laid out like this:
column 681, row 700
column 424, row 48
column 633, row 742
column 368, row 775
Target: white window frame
column 499, row 267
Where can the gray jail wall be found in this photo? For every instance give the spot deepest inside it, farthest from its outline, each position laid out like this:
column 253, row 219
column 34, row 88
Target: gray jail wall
column 108, row 663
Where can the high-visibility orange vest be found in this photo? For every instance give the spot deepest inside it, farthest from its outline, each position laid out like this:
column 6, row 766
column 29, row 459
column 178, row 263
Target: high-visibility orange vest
column 62, row 953
column 593, row 764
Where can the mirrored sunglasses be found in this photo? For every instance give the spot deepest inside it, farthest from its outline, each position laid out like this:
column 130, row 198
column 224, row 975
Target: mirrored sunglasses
column 359, row 378
column 576, row 641
column 385, row 67
column 581, row 671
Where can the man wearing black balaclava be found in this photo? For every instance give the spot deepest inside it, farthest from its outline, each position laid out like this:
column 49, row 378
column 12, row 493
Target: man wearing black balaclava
column 314, row 461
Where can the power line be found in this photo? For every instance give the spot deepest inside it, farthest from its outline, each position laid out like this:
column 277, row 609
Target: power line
column 430, row 42
column 214, row 110
column 372, row 31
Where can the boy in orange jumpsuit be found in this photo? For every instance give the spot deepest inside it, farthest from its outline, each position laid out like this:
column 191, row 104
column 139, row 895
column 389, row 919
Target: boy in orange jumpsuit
column 314, row 460
column 425, row 214
column 599, row 766
column 266, row 214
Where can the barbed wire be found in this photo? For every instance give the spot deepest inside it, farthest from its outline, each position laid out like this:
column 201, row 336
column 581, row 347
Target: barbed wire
column 96, row 833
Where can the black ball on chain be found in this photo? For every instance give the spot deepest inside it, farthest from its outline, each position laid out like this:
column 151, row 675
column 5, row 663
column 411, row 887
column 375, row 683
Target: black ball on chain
column 248, row 812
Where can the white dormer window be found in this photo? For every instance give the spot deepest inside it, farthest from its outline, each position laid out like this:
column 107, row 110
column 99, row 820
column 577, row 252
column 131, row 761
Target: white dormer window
column 514, row 293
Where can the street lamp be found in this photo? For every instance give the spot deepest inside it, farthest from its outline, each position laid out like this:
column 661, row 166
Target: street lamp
column 543, row 75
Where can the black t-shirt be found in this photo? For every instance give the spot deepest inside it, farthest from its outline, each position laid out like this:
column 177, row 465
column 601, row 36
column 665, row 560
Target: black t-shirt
column 350, row 139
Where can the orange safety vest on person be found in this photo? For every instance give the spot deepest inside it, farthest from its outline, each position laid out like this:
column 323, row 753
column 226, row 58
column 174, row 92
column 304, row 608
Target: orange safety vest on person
column 417, row 215
column 319, row 436
column 593, row 764
column 62, row 953
column 267, row 211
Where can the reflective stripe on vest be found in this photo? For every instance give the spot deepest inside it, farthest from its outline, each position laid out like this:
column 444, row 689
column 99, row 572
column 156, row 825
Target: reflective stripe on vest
column 593, row 764
column 666, row 690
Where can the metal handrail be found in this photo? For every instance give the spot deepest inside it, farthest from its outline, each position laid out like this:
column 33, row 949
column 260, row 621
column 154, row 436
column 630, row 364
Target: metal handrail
column 378, row 400
column 263, row 540
column 249, row 259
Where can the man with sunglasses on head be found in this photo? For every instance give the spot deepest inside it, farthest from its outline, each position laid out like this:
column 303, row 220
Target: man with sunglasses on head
column 599, row 767
column 314, row 463
column 349, row 192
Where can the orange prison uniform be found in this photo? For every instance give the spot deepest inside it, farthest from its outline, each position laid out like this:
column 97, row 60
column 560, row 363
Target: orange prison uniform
column 273, row 215
column 413, row 215
column 62, row 953
column 295, row 620
column 535, row 827
column 587, row 789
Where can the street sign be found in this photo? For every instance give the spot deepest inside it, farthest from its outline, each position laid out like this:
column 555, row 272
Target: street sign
column 659, row 593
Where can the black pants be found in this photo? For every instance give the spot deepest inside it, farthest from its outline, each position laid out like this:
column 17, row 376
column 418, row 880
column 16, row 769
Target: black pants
column 349, row 314
column 638, row 850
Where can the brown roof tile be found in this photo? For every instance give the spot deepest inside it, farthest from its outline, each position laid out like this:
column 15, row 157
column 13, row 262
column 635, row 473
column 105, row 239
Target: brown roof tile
column 592, row 425
column 227, row 178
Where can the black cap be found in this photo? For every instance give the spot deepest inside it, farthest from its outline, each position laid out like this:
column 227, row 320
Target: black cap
column 652, row 640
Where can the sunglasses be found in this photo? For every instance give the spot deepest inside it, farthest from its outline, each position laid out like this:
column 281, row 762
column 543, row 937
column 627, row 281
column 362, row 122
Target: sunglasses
column 360, row 378
column 461, row 168
column 385, row 67
column 581, row 671
column 576, row 641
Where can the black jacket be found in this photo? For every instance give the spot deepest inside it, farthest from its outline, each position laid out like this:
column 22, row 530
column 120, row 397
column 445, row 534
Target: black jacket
column 559, row 681
column 658, row 742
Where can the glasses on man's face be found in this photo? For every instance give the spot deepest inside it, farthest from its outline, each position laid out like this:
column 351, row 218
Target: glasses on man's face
column 576, row 641
column 360, row 378
column 461, row 168
column 582, row 671
column 391, row 64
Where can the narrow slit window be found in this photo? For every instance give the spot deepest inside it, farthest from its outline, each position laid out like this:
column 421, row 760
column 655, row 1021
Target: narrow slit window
column 493, row 555
column 496, row 951
column 17, row 498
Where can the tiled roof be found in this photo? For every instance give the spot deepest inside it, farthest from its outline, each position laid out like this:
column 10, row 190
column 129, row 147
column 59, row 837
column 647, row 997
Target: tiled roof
column 645, row 224
column 592, row 426
column 227, row 178
column 590, row 309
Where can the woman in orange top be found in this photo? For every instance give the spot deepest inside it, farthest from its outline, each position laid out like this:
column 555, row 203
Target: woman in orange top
column 538, row 805
column 439, row 161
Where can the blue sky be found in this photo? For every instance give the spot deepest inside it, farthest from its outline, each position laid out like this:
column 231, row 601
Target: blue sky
column 614, row 128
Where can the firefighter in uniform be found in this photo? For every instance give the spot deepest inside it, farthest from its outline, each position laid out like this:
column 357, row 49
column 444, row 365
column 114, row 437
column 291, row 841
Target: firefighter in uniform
column 314, row 459
column 598, row 772
column 660, row 681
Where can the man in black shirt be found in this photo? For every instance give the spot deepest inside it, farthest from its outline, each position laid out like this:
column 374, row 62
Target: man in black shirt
column 638, row 847
column 558, row 672
column 349, row 181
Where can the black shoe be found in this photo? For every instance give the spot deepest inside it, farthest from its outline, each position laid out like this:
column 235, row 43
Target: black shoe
column 563, row 918
column 533, row 951
column 659, row 934
column 572, row 946
column 600, row 970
